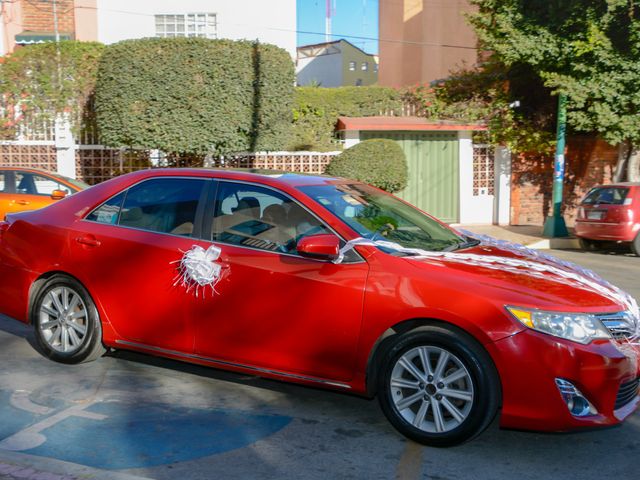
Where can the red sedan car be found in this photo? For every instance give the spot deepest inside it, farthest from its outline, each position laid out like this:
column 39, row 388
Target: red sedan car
column 610, row 213
column 325, row 282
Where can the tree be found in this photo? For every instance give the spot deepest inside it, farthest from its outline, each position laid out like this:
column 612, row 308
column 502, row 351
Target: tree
column 195, row 96
column 586, row 49
column 37, row 82
column 316, row 111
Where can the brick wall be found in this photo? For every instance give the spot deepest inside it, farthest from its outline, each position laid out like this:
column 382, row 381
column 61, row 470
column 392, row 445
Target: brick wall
column 37, row 16
column 590, row 161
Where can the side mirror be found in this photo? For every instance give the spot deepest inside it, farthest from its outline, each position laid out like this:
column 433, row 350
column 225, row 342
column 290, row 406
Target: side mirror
column 322, row 247
column 58, row 194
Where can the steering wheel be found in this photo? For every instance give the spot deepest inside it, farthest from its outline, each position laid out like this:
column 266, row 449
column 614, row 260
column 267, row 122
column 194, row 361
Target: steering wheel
column 387, row 227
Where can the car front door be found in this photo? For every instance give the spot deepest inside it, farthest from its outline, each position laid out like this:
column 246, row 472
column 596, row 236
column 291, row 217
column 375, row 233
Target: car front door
column 127, row 252
column 33, row 191
column 274, row 309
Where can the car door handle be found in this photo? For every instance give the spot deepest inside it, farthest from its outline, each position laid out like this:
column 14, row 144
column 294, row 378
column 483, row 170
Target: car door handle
column 88, row 240
column 22, row 202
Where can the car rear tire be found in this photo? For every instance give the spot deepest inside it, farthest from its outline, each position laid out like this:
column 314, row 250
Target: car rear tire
column 635, row 246
column 66, row 322
column 590, row 245
column 448, row 402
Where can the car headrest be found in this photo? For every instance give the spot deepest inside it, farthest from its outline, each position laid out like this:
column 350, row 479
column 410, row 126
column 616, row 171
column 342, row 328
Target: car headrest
column 132, row 215
column 275, row 214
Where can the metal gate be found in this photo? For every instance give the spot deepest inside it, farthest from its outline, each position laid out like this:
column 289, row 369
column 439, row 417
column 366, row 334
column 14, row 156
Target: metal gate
column 434, row 172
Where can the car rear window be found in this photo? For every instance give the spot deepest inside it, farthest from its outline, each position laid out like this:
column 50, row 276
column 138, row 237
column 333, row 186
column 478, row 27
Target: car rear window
column 606, row 196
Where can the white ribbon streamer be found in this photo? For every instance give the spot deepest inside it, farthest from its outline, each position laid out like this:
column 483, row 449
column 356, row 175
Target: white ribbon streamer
column 545, row 266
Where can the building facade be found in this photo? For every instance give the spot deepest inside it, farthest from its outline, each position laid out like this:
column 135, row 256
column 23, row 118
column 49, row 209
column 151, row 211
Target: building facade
column 450, row 177
column 335, row 64
column 422, row 41
column 109, row 21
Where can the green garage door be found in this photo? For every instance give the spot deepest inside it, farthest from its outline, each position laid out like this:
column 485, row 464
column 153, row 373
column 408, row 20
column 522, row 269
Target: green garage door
column 433, row 162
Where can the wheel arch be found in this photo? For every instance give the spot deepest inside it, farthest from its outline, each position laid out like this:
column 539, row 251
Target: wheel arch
column 387, row 339
column 39, row 282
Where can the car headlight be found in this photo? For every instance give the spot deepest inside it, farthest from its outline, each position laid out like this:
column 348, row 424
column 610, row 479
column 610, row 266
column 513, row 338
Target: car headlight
column 578, row 327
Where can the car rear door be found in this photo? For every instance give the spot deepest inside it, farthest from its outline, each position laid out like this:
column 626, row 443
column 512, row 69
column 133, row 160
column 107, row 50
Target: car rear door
column 274, row 309
column 127, row 251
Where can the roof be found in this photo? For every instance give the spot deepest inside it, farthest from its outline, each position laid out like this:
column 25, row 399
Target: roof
column 273, row 178
column 315, row 45
column 619, row 184
column 403, row 123
column 333, row 42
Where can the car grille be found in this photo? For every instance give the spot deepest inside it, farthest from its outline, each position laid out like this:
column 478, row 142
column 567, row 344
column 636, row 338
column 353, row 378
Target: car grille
column 621, row 325
column 627, row 393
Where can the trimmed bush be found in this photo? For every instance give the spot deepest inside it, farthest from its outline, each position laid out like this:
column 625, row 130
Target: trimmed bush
column 316, row 111
column 378, row 162
column 41, row 83
column 195, row 95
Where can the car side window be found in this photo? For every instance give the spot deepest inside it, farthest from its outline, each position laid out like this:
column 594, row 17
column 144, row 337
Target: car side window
column 32, row 184
column 109, row 211
column 258, row 217
column 3, row 182
column 165, row 205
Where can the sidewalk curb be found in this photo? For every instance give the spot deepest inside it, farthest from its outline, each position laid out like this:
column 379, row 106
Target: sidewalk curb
column 32, row 467
column 556, row 244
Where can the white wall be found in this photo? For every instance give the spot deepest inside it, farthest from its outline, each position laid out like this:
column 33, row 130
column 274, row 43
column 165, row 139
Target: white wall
column 269, row 21
column 324, row 69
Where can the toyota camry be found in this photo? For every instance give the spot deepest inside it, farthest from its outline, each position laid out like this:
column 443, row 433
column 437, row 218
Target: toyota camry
column 326, row 282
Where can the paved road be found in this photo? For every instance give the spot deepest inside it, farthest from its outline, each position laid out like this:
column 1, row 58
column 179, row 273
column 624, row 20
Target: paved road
column 155, row 418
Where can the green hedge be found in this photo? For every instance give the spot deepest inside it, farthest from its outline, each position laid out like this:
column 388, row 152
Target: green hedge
column 45, row 80
column 316, row 111
column 378, row 162
column 195, row 95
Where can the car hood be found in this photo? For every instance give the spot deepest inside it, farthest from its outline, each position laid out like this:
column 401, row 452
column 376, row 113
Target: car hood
column 530, row 278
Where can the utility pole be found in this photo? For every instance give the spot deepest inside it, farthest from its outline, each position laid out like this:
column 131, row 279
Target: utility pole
column 327, row 22
column 64, row 141
column 555, row 225
column 2, row 52
column 55, row 20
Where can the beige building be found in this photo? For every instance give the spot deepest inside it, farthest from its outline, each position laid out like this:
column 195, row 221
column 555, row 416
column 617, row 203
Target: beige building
column 423, row 40
column 335, row 64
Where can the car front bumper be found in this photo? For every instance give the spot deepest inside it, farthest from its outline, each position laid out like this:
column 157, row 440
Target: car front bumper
column 529, row 364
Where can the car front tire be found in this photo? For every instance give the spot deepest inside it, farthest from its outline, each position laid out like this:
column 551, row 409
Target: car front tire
column 66, row 322
column 438, row 386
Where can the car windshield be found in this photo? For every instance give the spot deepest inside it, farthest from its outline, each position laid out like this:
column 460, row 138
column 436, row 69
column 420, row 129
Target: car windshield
column 376, row 215
column 606, row 196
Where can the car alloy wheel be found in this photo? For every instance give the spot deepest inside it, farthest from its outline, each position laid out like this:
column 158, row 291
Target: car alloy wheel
column 437, row 385
column 66, row 322
column 432, row 389
column 63, row 320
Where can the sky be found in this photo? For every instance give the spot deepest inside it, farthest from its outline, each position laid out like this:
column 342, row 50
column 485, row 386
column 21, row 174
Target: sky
column 358, row 18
